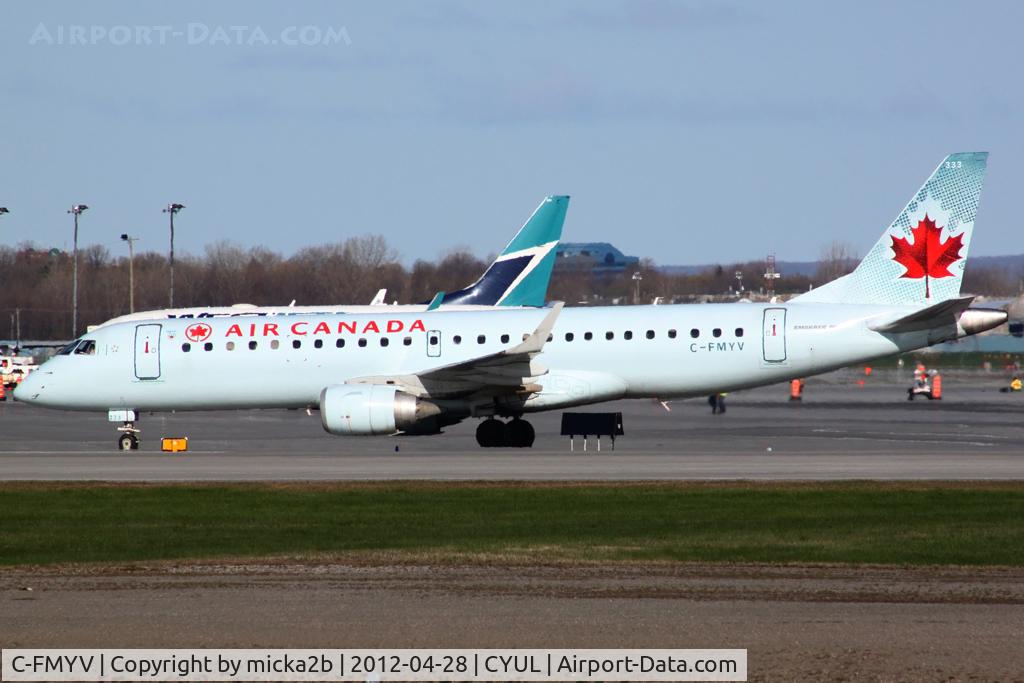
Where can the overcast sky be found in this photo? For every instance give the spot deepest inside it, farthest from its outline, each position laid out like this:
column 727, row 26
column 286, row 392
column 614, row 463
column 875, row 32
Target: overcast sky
column 689, row 132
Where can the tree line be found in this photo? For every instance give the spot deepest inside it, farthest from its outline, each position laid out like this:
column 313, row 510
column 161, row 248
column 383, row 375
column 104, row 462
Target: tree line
column 35, row 283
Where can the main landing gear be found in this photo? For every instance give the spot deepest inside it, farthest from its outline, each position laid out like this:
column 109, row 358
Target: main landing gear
column 129, row 439
column 517, row 433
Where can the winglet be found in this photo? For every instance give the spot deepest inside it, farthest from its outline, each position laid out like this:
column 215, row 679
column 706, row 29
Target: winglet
column 535, row 342
column 436, row 301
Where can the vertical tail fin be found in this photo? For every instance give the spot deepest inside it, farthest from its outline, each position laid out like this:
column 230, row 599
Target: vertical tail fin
column 920, row 258
column 521, row 273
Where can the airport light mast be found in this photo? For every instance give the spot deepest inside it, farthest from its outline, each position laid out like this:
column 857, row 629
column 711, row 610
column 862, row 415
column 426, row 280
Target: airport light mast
column 637, row 278
column 771, row 275
column 75, row 211
column 131, row 269
column 171, row 210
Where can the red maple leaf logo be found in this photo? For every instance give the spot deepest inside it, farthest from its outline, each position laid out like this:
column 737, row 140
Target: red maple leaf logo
column 198, row 332
column 927, row 257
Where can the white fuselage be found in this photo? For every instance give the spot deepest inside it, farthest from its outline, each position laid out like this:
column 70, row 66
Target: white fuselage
column 654, row 351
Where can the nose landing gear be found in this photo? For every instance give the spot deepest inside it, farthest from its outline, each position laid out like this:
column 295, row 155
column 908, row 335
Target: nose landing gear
column 517, row 433
column 129, row 439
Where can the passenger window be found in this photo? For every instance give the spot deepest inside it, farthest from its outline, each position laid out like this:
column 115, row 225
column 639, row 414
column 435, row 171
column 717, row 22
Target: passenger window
column 569, row 336
column 717, row 332
column 588, row 335
column 433, row 340
column 252, row 346
column 296, row 344
column 480, row 339
column 362, row 342
column 208, row 346
column 671, row 334
column 407, row 341
column 319, row 343
column 457, row 339
column 504, row 339
column 695, row 333
column 609, row 335
column 384, row 341
column 230, row 346
column 340, row 343
column 274, row 343
column 650, row 334
column 186, row 347
column 86, row 348
column 627, row 335
column 739, row 331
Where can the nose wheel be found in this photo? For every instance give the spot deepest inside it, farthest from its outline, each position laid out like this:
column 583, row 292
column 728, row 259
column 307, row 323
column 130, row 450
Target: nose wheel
column 129, row 439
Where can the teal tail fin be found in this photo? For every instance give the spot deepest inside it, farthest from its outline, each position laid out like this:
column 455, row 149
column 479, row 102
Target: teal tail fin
column 920, row 257
column 521, row 273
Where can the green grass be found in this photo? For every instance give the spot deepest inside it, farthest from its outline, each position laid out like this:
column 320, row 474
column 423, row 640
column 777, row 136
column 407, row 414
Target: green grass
column 914, row 524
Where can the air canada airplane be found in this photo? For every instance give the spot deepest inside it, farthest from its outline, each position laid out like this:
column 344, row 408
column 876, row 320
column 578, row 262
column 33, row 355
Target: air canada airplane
column 519, row 276
column 416, row 372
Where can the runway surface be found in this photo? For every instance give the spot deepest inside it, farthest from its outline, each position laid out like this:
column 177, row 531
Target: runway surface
column 840, row 431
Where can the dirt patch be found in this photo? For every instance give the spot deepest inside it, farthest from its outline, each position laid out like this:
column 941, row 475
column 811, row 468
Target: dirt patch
column 797, row 621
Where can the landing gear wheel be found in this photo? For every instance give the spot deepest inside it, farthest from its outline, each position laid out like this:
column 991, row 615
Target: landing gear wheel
column 492, row 433
column 520, row 434
column 128, row 442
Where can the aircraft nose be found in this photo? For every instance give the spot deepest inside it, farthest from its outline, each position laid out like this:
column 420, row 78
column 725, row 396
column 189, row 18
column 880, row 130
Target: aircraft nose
column 31, row 388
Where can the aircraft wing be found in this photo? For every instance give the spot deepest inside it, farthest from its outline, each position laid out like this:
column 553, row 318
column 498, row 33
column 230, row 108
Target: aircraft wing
column 941, row 314
column 510, row 371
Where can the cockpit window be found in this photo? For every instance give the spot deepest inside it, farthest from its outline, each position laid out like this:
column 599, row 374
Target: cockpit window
column 66, row 350
column 86, row 348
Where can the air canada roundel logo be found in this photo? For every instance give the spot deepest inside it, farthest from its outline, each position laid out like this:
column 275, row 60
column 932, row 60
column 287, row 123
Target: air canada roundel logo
column 198, row 332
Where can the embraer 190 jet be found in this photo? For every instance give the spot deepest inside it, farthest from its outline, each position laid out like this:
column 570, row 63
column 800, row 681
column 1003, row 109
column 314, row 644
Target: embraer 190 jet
column 417, row 372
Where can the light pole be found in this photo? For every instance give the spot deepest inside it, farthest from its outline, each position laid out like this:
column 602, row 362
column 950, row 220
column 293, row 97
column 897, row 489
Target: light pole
column 637, row 277
column 131, row 269
column 76, row 211
column 171, row 210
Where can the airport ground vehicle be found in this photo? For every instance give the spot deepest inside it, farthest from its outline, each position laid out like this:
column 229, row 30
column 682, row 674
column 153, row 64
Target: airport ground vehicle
column 416, row 372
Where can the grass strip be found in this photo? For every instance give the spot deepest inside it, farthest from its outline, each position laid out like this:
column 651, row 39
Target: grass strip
column 908, row 524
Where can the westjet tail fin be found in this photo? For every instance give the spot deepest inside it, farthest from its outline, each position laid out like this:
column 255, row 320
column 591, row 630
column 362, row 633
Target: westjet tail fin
column 521, row 273
column 920, row 258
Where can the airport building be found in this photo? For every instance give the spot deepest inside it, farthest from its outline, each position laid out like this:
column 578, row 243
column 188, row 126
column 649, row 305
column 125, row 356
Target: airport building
column 598, row 258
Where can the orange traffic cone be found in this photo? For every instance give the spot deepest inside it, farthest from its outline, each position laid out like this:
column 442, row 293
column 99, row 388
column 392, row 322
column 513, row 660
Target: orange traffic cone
column 796, row 390
column 937, row 386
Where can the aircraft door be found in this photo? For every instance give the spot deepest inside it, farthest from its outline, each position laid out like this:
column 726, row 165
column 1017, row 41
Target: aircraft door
column 147, row 351
column 434, row 343
column 774, row 335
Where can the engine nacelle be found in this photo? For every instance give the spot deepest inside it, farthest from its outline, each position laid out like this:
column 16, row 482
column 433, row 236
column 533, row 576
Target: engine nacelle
column 371, row 409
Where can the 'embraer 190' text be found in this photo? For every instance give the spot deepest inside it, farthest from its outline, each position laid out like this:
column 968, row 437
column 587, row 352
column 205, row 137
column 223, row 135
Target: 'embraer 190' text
column 302, row 328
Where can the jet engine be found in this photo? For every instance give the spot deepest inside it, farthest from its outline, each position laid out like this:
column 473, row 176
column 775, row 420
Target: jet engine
column 374, row 409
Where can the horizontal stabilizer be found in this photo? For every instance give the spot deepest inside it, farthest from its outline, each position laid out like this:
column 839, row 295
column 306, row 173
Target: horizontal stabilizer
column 941, row 314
